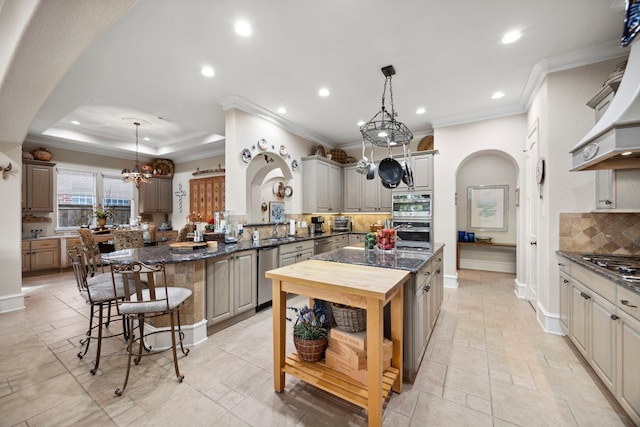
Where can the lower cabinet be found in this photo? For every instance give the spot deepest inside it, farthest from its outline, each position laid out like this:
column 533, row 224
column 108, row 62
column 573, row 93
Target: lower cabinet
column 423, row 299
column 603, row 322
column 295, row 252
column 231, row 286
column 355, row 238
column 40, row 255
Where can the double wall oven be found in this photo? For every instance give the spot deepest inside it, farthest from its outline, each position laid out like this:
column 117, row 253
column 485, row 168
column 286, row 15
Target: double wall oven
column 411, row 214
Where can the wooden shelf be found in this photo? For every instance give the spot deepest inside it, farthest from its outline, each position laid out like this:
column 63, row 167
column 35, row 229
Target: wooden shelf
column 328, row 379
column 482, row 245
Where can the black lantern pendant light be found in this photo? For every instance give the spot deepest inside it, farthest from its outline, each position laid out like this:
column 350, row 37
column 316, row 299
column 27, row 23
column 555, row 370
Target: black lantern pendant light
column 136, row 175
column 383, row 129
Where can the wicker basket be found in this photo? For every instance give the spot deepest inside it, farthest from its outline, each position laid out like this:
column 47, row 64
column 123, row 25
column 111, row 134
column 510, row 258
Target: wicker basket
column 350, row 319
column 310, row 350
column 338, row 155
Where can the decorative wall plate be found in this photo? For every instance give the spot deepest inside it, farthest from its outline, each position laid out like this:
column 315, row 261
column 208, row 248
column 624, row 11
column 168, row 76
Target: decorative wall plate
column 246, row 155
column 163, row 166
column 288, row 191
column 294, row 165
column 283, row 151
column 262, row 144
column 320, row 151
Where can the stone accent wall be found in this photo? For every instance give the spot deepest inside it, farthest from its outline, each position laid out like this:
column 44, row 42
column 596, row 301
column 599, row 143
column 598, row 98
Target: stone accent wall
column 600, row 233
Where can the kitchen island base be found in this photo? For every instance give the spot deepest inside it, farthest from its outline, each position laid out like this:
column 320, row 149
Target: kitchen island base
column 365, row 287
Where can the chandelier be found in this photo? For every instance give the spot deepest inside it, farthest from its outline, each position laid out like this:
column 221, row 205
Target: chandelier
column 136, row 175
column 383, row 129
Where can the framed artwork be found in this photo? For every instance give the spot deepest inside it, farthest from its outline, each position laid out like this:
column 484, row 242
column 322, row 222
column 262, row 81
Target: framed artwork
column 276, row 212
column 631, row 22
column 487, row 207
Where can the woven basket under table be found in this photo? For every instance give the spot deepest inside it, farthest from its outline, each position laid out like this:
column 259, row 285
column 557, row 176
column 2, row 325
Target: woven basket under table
column 350, row 319
column 310, row 350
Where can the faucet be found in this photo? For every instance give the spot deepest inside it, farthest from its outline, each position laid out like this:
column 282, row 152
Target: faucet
column 274, row 234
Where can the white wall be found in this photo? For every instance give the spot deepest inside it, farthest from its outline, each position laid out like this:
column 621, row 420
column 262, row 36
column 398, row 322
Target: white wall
column 455, row 144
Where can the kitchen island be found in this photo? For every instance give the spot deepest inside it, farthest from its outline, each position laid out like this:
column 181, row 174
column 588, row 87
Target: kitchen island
column 365, row 287
column 423, row 293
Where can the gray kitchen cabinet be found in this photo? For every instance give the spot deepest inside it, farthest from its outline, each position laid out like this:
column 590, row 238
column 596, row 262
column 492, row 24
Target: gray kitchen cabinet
column 322, row 185
column 364, row 195
column 564, row 286
column 37, row 186
column 579, row 317
column 231, row 285
column 292, row 253
column 628, row 374
column 603, row 327
column 156, row 196
column 422, row 166
column 355, row 238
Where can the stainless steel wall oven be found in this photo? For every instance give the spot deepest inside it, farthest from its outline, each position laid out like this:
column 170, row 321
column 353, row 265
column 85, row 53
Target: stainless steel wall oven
column 412, row 218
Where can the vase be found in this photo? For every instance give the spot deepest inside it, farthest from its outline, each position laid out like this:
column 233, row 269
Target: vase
column 42, row 154
column 101, row 222
column 310, row 350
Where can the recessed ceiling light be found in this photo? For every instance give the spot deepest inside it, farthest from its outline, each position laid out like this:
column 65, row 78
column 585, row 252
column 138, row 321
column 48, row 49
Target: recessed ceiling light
column 324, row 92
column 497, row 95
column 361, row 122
column 421, row 111
column 511, row 37
column 146, row 138
column 75, row 122
column 282, row 110
column 243, row 28
column 207, row 71
column 626, row 153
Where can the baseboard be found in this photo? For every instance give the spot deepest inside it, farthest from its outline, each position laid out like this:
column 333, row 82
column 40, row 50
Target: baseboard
column 450, row 281
column 193, row 334
column 520, row 289
column 550, row 322
column 11, row 302
column 498, row 266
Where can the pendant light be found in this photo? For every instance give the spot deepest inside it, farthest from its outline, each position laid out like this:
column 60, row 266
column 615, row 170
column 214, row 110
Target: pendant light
column 136, row 175
column 383, row 129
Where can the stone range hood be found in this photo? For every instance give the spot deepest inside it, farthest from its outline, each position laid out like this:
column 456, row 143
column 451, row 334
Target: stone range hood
column 618, row 130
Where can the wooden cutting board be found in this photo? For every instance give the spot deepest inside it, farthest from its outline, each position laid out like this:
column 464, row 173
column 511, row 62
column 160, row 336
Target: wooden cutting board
column 187, row 245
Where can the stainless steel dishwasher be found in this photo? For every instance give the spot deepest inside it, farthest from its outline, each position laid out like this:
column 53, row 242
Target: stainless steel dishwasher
column 267, row 260
column 323, row 245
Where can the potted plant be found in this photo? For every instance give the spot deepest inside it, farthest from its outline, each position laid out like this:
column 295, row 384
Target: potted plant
column 210, row 226
column 310, row 331
column 102, row 215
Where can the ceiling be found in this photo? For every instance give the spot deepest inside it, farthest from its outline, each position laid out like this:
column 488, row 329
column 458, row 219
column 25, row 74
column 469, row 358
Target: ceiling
column 447, row 55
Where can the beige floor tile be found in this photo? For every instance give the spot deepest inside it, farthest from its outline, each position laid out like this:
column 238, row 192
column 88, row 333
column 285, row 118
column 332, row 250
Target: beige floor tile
column 434, row 411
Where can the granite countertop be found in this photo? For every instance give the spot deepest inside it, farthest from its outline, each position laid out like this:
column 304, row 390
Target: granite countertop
column 577, row 258
column 402, row 259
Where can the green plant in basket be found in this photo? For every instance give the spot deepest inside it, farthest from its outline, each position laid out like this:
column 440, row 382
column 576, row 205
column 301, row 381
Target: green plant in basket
column 310, row 322
column 102, row 213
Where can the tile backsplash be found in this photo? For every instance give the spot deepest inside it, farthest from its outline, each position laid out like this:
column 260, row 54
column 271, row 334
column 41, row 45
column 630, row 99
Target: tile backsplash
column 600, row 233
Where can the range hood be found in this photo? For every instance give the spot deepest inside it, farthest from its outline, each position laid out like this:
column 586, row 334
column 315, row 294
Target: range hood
column 614, row 141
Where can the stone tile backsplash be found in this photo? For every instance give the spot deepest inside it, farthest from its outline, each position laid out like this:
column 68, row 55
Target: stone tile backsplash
column 600, row 233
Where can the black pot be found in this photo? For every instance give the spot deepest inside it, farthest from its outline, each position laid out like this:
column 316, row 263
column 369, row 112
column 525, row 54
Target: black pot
column 390, row 172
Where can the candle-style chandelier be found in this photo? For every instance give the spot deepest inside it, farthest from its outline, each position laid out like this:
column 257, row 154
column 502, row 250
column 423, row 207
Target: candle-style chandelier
column 136, row 175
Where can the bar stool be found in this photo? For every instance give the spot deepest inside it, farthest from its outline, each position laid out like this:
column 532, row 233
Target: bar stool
column 142, row 302
column 100, row 293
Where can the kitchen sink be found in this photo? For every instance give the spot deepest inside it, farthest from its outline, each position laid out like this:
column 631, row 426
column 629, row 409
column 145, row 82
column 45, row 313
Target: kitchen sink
column 278, row 240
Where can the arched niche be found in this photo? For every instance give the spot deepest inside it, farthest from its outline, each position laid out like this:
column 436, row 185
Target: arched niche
column 262, row 172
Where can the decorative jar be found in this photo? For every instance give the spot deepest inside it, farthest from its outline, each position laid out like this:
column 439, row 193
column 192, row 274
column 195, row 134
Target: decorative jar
column 42, row 154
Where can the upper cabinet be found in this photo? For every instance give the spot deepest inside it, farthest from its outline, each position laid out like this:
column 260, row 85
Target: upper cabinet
column 364, row 195
column 422, row 168
column 321, row 185
column 206, row 197
column 156, row 197
column 37, row 186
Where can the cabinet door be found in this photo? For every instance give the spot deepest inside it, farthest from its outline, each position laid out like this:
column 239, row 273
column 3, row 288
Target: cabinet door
column 245, row 283
column 164, row 195
column 218, row 290
column 352, row 190
column 287, row 259
column 45, row 259
column 370, row 193
column 26, row 260
column 605, row 190
column 335, row 188
column 603, row 340
column 39, row 188
column 323, row 183
column 565, row 294
column 423, row 171
column 148, row 196
column 354, row 239
column 384, row 197
column 628, row 387
column 305, row 255
column 579, row 317
column 420, row 334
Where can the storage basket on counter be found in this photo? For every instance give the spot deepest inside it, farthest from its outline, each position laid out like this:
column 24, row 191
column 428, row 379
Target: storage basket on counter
column 351, row 319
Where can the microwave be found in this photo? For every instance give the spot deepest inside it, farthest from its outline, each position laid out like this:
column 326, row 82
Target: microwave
column 413, row 205
column 412, row 234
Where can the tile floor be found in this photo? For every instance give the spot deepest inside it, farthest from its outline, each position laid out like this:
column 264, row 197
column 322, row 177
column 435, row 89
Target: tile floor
column 488, row 363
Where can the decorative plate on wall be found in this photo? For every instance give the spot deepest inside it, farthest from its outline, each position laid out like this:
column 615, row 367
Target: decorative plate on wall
column 246, row 155
column 284, row 152
column 294, row 165
column 262, row 144
column 163, row 166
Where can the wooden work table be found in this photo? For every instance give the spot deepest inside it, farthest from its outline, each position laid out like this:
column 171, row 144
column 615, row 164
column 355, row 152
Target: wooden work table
column 366, row 287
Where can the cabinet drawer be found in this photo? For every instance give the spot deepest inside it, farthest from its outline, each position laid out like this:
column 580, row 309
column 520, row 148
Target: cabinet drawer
column 629, row 302
column 26, row 246
column 423, row 275
column 72, row 242
column 306, row 245
column 564, row 265
column 45, row 244
column 603, row 286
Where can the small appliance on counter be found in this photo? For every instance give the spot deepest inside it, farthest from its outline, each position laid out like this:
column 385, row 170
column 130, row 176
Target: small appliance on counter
column 341, row 223
column 317, row 223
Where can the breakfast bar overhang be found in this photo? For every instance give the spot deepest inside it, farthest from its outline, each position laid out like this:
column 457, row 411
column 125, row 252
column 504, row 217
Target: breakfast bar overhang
column 365, row 287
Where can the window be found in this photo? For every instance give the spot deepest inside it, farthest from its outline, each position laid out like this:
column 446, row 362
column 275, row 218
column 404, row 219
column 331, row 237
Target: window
column 117, row 196
column 76, row 195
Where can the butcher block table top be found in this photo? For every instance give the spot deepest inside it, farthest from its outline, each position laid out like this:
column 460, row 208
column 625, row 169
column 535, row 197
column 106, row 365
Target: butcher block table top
column 366, row 287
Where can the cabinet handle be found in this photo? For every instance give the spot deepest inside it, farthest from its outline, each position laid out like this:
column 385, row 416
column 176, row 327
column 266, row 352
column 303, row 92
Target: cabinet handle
column 427, row 273
column 585, row 296
column 426, row 288
column 626, row 302
column 614, row 317
column 565, row 281
column 561, row 264
column 438, row 271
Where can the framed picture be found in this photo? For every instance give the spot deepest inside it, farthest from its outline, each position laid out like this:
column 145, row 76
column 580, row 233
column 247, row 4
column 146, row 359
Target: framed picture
column 276, row 212
column 487, row 207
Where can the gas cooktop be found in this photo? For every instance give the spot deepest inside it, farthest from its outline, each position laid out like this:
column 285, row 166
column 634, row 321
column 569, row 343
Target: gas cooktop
column 625, row 267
